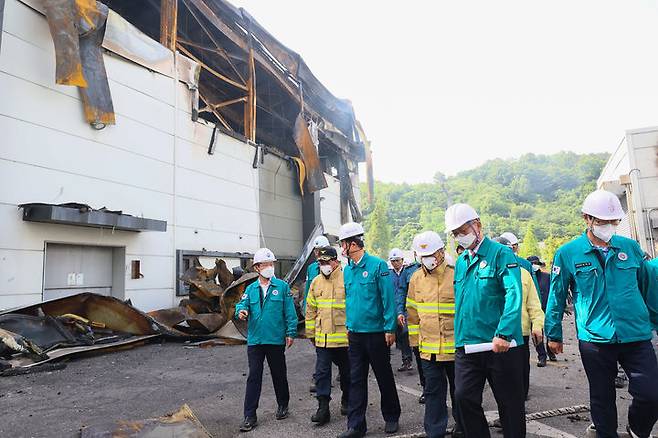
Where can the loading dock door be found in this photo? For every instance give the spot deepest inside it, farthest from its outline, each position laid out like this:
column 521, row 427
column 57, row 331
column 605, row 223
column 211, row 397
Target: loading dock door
column 73, row 269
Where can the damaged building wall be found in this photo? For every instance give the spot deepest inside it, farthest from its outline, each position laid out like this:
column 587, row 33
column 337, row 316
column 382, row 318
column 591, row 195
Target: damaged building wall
column 153, row 163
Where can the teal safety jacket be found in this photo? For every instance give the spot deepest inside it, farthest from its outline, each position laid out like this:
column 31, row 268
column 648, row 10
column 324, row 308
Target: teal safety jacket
column 369, row 296
column 615, row 294
column 312, row 271
column 273, row 320
column 488, row 295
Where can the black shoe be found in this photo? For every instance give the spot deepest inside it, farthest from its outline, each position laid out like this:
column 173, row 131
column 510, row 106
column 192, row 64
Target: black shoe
column 312, row 387
column 248, row 424
column 391, row 427
column 497, row 424
column 322, row 415
column 421, row 399
column 406, row 366
column 282, row 412
column 352, row 433
column 552, row 358
column 541, row 363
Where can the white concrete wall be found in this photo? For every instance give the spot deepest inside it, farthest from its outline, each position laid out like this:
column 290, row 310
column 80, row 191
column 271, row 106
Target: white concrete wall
column 153, row 163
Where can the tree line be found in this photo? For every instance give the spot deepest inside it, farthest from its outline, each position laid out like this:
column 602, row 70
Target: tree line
column 537, row 197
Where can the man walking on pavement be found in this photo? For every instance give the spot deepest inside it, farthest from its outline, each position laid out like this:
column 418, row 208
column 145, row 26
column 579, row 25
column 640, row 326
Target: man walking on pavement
column 532, row 320
column 269, row 307
column 544, row 282
column 431, row 295
column 615, row 297
column 488, row 298
column 313, row 271
column 325, row 326
column 400, row 283
column 371, row 325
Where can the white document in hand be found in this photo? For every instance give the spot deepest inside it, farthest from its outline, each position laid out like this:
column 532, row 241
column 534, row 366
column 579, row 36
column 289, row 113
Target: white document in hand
column 485, row 346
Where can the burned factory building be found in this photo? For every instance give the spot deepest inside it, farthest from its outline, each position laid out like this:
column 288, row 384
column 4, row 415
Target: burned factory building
column 141, row 139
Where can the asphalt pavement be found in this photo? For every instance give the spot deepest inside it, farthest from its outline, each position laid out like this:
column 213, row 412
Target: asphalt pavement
column 159, row 378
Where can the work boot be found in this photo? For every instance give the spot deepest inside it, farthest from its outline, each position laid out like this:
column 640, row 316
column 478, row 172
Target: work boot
column 406, row 366
column 248, row 424
column 391, row 427
column 551, row 356
column 282, row 412
column 322, row 415
column 352, row 433
column 421, row 399
column 541, row 363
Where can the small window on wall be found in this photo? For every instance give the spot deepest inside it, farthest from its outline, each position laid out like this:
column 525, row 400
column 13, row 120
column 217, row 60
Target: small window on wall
column 185, row 260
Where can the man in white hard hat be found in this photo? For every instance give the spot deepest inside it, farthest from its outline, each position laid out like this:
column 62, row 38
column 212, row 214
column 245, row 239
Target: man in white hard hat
column 400, row 282
column 514, row 244
column 488, row 297
column 371, row 325
column 615, row 298
column 269, row 307
column 431, row 305
column 313, row 271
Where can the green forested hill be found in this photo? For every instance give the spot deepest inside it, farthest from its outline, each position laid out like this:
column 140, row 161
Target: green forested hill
column 537, row 197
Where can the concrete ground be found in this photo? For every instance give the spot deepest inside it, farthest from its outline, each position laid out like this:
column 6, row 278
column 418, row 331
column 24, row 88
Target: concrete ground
column 156, row 379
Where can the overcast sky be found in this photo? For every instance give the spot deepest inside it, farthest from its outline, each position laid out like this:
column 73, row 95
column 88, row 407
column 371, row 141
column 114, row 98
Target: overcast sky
column 445, row 85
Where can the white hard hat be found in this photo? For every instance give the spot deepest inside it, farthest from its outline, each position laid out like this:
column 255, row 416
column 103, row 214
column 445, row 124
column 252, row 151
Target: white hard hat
column 395, row 254
column 320, row 242
column 427, row 243
column 350, row 229
column 604, row 205
column 458, row 214
column 513, row 240
column 264, row 255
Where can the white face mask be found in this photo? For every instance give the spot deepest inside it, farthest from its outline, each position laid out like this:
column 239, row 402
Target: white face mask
column 536, row 268
column 466, row 240
column 326, row 269
column 604, row 232
column 429, row 262
column 267, row 272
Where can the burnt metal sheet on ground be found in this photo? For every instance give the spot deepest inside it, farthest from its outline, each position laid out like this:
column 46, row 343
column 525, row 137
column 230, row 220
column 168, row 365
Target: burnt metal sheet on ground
column 113, row 313
column 46, row 332
column 180, row 424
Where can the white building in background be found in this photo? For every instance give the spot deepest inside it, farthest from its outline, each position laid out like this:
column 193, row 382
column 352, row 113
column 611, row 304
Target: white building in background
column 632, row 174
column 153, row 164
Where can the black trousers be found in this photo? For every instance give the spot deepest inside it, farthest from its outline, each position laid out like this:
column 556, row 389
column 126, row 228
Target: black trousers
column 440, row 378
column 325, row 357
column 370, row 350
column 276, row 360
column 525, row 350
column 419, row 365
column 504, row 372
column 639, row 362
column 402, row 343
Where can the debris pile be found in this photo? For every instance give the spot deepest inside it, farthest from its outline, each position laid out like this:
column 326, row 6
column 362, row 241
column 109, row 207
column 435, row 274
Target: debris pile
column 34, row 335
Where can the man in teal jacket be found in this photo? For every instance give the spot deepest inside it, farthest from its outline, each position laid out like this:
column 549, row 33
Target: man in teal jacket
column 371, row 325
column 615, row 297
column 269, row 307
column 488, row 298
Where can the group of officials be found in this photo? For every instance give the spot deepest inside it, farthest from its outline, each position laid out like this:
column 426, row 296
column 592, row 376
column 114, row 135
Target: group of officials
column 467, row 324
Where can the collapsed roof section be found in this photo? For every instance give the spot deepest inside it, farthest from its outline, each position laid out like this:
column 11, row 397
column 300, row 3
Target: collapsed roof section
column 251, row 84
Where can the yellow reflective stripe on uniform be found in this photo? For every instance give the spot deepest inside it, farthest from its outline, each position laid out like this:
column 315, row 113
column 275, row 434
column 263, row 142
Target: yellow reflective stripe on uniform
column 442, row 308
column 432, row 348
column 310, row 325
column 413, row 329
column 331, row 304
column 411, row 303
column 311, row 300
column 335, row 338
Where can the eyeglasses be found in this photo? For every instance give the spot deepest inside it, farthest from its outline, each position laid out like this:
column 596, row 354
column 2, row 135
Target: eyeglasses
column 596, row 221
